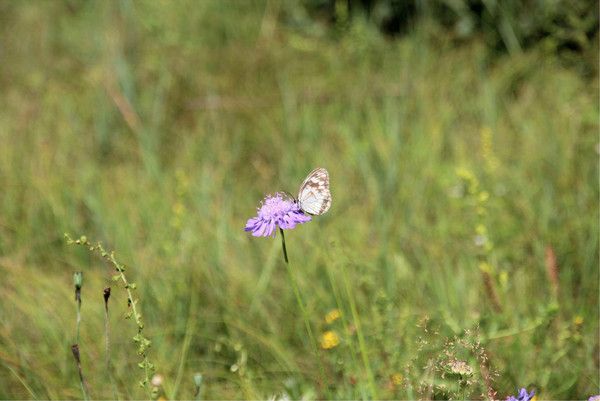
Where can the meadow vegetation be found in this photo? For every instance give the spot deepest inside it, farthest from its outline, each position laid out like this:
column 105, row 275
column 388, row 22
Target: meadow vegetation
column 459, row 258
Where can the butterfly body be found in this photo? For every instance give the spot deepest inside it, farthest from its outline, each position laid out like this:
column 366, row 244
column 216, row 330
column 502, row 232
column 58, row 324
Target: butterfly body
column 314, row 196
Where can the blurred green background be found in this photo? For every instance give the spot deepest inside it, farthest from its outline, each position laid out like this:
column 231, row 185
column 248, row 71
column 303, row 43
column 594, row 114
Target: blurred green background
column 461, row 250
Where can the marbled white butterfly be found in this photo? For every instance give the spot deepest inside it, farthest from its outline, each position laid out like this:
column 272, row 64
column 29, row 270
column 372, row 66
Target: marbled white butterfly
column 314, row 196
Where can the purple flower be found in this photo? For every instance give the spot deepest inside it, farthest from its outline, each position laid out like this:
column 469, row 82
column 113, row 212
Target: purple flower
column 276, row 210
column 594, row 398
column 523, row 396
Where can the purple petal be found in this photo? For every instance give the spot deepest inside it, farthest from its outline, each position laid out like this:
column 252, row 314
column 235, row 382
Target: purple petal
column 287, row 223
column 260, row 229
column 251, row 224
column 302, row 218
column 270, row 228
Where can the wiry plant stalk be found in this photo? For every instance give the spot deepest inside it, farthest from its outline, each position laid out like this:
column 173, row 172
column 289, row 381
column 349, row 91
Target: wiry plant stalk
column 84, row 388
column 143, row 343
column 78, row 283
column 106, row 296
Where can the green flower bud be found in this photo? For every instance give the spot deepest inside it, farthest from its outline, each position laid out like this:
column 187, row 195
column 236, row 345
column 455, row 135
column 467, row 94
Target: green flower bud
column 78, row 280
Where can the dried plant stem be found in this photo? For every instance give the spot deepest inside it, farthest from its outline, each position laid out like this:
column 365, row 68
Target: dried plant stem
column 106, row 294
column 78, row 281
column 142, row 342
column 145, row 364
column 106, row 328
column 490, row 290
column 552, row 269
column 301, row 306
column 84, row 387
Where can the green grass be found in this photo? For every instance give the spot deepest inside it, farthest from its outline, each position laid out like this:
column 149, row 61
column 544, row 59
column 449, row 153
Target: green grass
column 156, row 128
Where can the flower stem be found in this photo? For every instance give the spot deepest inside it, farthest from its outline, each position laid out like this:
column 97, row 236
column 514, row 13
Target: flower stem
column 283, row 246
column 301, row 305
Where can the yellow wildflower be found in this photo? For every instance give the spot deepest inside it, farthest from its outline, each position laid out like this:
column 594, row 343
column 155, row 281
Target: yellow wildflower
column 503, row 278
column 485, row 267
column 396, row 378
column 578, row 320
column 332, row 316
column 487, row 149
column 178, row 208
column 481, row 229
column 329, row 340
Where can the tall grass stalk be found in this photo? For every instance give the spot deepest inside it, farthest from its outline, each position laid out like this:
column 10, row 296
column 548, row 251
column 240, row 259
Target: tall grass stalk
column 344, row 318
column 187, row 341
column 361, row 338
column 21, row 380
column 302, row 307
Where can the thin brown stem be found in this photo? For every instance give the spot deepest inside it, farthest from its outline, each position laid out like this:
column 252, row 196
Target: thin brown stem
column 84, row 386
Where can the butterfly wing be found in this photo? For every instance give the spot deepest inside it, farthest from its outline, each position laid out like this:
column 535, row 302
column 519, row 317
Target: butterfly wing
column 314, row 196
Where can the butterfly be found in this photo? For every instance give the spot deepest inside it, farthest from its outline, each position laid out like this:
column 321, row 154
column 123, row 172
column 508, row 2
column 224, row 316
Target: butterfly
column 314, row 196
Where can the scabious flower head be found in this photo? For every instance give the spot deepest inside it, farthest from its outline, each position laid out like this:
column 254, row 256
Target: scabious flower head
column 523, row 396
column 276, row 210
